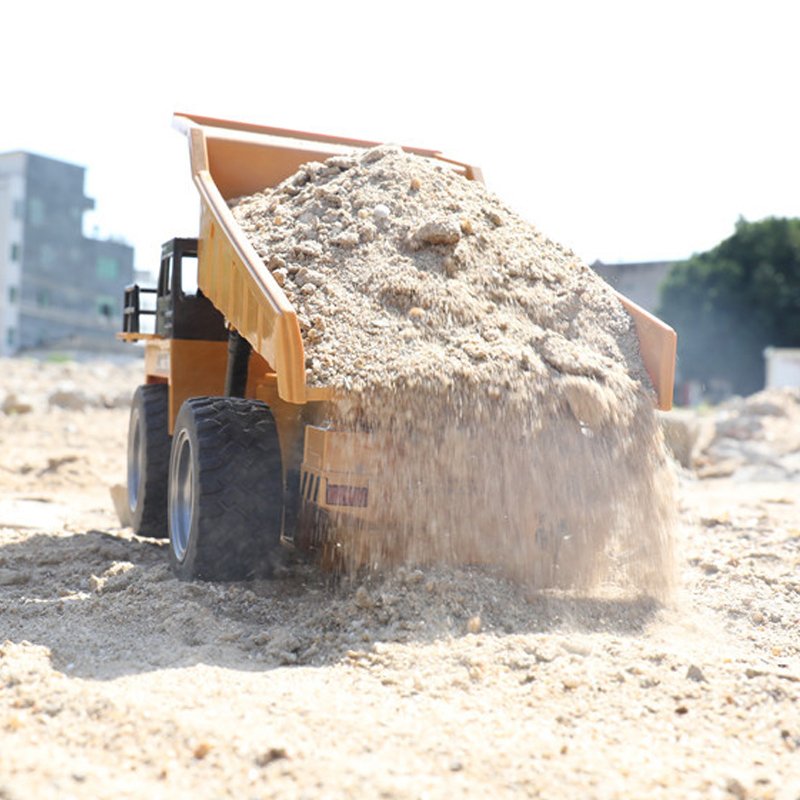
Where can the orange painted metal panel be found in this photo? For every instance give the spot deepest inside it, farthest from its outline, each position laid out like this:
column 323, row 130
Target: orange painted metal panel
column 156, row 359
column 657, row 345
column 196, row 369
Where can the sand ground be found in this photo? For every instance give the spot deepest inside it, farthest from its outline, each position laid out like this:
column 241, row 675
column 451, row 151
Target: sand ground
column 118, row 681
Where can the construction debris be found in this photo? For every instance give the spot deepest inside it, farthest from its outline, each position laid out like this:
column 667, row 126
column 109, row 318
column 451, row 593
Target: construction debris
column 754, row 438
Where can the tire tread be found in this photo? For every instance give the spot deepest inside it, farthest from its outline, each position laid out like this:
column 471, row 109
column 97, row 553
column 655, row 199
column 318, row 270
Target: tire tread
column 239, row 495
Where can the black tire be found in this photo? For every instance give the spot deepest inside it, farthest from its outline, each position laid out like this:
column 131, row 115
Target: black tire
column 148, row 460
column 225, row 490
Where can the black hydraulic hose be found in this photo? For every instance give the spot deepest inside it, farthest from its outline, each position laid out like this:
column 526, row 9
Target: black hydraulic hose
column 238, row 360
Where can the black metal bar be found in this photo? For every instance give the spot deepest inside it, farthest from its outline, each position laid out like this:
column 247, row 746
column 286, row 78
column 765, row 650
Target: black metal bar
column 130, row 310
column 145, row 289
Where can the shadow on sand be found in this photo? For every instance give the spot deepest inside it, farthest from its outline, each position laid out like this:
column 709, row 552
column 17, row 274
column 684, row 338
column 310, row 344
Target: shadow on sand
column 106, row 604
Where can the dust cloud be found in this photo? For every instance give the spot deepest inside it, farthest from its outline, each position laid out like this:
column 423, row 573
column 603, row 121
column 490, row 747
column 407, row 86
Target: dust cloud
column 500, row 375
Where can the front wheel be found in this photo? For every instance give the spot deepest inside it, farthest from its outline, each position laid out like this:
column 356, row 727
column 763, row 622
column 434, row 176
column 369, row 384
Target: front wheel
column 225, row 490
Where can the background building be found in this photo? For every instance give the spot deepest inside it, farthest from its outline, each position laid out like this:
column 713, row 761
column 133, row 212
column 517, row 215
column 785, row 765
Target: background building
column 639, row 282
column 57, row 287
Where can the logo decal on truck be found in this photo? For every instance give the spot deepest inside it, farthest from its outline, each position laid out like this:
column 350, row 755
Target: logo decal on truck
column 341, row 495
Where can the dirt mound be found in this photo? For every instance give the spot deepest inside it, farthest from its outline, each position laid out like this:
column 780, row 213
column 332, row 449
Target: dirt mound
column 406, row 274
column 501, row 373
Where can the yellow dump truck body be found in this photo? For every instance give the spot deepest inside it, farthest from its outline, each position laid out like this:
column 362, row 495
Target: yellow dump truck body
column 325, row 472
column 229, row 160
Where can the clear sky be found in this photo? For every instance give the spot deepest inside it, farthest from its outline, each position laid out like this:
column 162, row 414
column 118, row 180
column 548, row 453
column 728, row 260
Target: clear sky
column 626, row 130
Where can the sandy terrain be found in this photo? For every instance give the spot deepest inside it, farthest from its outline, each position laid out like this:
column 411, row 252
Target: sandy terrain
column 118, row 681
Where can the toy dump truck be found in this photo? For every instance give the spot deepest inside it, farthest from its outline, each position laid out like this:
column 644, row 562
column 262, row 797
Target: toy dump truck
column 229, row 453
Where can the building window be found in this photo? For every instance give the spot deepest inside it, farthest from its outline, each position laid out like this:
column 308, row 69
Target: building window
column 36, row 215
column 15, row 252
column 106, row 268
column 19, row 209
column 105, row 307
column 10, row 337
column 42, row 298
column 12, row 294
column 48, row 255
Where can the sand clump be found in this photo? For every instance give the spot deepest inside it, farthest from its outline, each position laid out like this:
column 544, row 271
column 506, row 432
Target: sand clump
column 501, row 374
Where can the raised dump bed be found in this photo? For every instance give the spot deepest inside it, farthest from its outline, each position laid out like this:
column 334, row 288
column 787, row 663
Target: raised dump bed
column 230, row 160
column 235, row 336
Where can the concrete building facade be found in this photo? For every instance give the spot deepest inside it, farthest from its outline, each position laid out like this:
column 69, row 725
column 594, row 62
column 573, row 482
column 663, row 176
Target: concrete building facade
column 57, row 286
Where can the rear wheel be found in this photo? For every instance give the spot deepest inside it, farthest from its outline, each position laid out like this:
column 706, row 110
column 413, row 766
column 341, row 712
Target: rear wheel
column 225, row 490
column 148, row 460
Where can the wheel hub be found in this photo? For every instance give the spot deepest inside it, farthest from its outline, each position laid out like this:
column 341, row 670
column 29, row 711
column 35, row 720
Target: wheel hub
column 181, row 496
column 135, row 466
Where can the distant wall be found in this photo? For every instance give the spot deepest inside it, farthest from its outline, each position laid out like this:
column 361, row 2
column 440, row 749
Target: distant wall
column 639, row 282
column 782, row 367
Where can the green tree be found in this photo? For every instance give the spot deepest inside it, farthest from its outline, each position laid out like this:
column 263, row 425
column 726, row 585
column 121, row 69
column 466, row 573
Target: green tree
column 731, row 302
